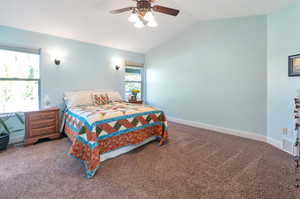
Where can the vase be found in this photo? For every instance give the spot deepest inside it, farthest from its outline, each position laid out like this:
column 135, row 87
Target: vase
column 133, row 97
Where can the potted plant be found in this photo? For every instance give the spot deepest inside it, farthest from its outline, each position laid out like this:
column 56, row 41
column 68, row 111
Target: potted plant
column 5, row 131
column 134, row 93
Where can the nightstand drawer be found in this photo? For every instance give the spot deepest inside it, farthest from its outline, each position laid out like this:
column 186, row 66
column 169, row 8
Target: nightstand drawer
column 43, row 131
column 42, row 123
column 42, row 116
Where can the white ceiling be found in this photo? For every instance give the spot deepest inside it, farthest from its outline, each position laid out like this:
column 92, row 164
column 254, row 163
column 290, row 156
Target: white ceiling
column 90, row 21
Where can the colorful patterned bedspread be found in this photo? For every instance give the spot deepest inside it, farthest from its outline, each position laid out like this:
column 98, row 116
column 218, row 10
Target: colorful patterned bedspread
column 95, row 130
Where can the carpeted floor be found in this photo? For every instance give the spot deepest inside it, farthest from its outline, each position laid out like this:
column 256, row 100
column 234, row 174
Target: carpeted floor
column 196, row 163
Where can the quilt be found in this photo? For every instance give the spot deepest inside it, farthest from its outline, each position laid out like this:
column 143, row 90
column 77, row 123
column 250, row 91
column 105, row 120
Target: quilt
column 95, row 130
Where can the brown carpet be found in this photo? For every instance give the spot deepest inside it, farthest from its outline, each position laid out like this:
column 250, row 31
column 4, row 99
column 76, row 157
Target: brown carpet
column 196, row 163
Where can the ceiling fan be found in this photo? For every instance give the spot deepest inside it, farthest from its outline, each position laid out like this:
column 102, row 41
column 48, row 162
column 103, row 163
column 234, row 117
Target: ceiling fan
column 142, row 14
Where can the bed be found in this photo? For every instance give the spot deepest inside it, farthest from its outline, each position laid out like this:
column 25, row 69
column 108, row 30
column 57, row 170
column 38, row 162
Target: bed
column 101, row 132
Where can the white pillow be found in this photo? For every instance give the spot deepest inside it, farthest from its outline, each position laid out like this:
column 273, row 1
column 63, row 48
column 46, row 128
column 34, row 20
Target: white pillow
column 86, row 97
column 114, row 96
column 102, row 90
column 77, row 98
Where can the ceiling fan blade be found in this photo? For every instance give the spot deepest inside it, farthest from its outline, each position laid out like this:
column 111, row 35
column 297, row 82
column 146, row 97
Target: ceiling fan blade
column 118, row 11
column 165, row 10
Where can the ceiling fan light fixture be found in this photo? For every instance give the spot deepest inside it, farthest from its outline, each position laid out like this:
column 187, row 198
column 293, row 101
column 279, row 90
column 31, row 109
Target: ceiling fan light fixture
column 139, row 24
column 142, row 13
column 152, row 23
column 134, row 18
column 148, row 16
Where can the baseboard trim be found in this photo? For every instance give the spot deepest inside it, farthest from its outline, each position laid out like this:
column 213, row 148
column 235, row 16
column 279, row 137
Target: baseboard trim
column 276, row 143
column 239, row 133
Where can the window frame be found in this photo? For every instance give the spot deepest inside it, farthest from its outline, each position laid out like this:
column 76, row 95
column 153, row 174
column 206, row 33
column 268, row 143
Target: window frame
column 141, row 82
column 29, row 51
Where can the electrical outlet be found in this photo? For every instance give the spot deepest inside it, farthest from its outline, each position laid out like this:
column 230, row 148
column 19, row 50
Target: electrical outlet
column 285, row 131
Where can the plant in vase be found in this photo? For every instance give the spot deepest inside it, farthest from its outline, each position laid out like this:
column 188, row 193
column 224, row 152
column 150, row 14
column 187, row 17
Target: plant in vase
column 134, row 93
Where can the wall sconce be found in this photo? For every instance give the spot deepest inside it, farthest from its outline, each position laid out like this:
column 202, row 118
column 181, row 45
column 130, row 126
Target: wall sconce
column 117, row 63
column 57, row 62
column 56, row 55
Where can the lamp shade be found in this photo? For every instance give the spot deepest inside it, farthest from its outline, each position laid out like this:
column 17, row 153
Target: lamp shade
column 133, row 18
column 152, row 23
column 148, row 16
column 139, row 24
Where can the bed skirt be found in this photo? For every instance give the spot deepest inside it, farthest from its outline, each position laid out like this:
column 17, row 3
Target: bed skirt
column 91, row 154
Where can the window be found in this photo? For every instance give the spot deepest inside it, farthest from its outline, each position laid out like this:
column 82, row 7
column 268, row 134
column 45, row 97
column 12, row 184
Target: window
column 133, row 80
column 19, row 79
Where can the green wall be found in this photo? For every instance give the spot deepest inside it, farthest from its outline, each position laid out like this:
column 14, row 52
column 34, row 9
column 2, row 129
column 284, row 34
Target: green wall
column 84, row 65
column 213, row 73
column 283, row 41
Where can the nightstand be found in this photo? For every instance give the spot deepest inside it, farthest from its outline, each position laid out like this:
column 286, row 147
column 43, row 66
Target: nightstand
column 41, row 124
column 135, row 102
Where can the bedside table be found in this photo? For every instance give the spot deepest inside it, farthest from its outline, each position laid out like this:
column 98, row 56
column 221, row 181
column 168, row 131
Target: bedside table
column 41, row 124
column 135, row 102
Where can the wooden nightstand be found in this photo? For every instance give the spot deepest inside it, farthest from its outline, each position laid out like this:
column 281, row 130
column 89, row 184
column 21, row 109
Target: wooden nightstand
column 135, row 102
column 41, row 124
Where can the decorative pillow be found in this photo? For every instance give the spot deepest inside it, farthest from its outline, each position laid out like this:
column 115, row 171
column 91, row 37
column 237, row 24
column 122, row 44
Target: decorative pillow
column 100, row 99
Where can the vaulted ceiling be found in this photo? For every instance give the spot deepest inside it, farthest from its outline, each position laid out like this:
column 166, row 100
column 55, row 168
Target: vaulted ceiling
column 90, row 20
